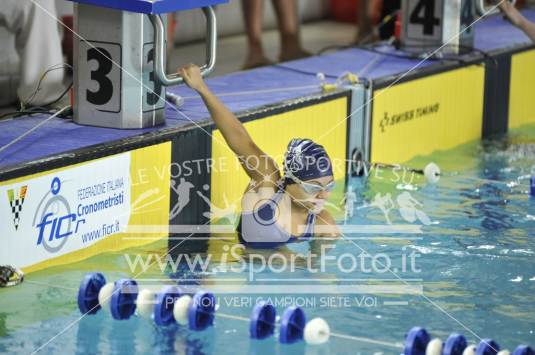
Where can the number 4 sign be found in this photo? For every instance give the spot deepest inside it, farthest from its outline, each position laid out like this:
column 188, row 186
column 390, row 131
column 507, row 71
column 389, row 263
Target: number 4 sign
column 431, row 24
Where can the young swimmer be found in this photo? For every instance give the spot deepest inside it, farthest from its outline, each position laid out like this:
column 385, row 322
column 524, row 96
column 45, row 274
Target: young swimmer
column 517, row 19
column 275, row 209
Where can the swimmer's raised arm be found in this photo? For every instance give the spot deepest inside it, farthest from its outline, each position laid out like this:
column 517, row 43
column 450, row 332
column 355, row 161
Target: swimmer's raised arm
column 517, row 19
column 260, row 166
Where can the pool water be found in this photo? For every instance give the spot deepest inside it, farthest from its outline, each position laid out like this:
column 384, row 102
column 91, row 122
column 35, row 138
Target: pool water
column 471, row 270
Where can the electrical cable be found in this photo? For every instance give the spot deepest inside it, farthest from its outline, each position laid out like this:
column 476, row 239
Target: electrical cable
column 4, row 147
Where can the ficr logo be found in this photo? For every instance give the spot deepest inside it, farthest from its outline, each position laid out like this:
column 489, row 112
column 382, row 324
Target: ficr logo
column 53, row 219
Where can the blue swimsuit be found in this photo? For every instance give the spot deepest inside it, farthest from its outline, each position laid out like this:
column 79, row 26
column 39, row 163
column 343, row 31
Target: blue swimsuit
column 258, row 229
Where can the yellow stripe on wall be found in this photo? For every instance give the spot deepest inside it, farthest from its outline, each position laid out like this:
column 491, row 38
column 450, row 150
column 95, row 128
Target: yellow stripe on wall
column 272, row 135
column 521, row 99
column 150, row 195
column 436, row 112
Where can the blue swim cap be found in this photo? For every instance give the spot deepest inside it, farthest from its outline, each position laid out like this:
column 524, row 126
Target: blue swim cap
column 306, row 160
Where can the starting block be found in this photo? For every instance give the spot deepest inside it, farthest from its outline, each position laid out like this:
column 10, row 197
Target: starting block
column 431, row 24
column 447, row 24
column 119, row 59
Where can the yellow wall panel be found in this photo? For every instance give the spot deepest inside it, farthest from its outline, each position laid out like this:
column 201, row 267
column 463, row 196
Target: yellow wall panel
column 436, row 112
column 522, row 102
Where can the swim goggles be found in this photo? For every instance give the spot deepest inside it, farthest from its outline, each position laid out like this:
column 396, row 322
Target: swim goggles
column 313, row 189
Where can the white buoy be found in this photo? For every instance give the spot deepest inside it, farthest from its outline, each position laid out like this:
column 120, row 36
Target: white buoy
column 504, row 352
column 470, row 350
column 317, row 331
column 432, row 173
column 104, row 295
column 434, row 347
column 145, row 303
column 180, row 309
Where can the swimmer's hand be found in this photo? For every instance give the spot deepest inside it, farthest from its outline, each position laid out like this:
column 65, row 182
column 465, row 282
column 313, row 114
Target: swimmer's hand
column 192, row 77
column 517, row 19
column 511, row 13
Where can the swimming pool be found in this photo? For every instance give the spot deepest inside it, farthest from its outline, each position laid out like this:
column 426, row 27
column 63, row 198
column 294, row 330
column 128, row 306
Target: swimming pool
column 470, row 270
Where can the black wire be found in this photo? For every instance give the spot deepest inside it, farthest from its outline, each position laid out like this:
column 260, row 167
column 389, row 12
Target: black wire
column 16, row 114
column 415, row 56
column 66, row 114
column 29, row 111
column 485, row 54
column 387, row 19
column 406, row 55
column 42, row 109
column 51, row 69
column 64, row 93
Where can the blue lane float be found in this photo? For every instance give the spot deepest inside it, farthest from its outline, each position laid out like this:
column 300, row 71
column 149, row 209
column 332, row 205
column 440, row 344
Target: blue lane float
column 523, row 350
column 123, row 299
column 263, row 318
column 201, row 311
column 88, row 292
column 292, row 325
column 163, row 309
column 416, row 341
column 455, row 345
column 487, row 347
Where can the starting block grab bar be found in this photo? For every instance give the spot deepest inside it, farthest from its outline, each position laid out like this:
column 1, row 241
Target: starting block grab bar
column 160, row 48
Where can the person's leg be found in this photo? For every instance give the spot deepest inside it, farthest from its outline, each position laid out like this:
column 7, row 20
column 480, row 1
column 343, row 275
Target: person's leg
column 366, row 17
column 288, row 21
column 38, row 45
column 252, row 16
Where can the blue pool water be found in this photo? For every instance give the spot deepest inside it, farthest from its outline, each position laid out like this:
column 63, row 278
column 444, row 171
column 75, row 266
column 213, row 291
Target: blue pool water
column 474, row 271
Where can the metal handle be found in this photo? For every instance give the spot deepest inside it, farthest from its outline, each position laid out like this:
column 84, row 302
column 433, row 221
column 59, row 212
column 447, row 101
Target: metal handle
column 159, row 48
column 482, row 11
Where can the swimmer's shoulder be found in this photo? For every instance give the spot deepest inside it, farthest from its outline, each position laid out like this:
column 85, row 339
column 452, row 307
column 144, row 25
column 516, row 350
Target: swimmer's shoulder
column 255, row 193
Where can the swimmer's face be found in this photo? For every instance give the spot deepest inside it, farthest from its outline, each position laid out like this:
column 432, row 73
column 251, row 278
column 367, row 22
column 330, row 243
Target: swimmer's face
column 313, row 193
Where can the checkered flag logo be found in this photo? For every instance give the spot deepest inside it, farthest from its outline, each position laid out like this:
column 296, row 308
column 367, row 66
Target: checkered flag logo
column 16, row 200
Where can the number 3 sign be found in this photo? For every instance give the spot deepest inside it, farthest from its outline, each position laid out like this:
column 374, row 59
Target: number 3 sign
column 100, row 68
column 114, row 82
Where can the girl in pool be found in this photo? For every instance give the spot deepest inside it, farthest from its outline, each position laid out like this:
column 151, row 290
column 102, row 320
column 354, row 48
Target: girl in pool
column 275, row 209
